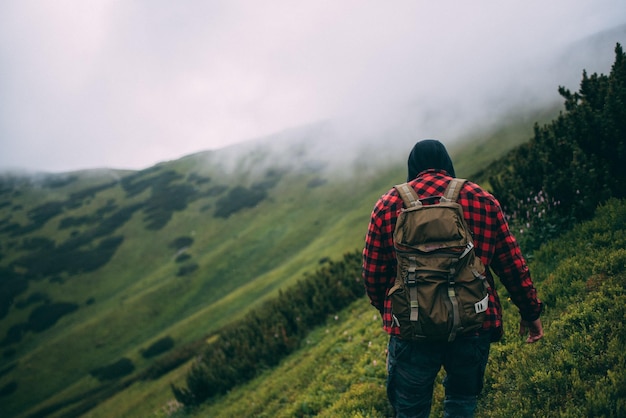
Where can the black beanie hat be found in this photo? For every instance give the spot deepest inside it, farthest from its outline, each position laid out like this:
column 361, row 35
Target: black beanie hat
column 429, row 153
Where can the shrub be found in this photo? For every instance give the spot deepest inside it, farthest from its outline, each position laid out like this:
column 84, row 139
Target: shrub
column 180, row 258
column 58, row 181
column 33, row 298
column 37, row 243
column 172, row 359
column 571, row 164
column 14, row 334
column 11, row 285
column 272, row 331
column 77, row 197
column 10, row 352
column 120, row 368
column 8, row 389
column 42, row 213
column 239, row 198
column 165, row 200
column 158, row 347
column 578, row 369
column 96, row 258
column 45, row 316
column 181, row 242
column 74, row 221
column 136, row 183
column 109, row 225
column 7, row 369
column 187, row 269
column 69, row 258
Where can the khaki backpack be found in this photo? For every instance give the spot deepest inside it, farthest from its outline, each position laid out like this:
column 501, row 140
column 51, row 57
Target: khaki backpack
column 440, row 289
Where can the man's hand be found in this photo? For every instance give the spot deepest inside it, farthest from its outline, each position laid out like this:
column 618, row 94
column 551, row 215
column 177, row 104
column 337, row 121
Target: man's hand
column 534, row 330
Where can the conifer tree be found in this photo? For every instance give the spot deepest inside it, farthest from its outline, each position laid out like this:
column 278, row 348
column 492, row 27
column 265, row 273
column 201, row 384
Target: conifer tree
column 576, row 161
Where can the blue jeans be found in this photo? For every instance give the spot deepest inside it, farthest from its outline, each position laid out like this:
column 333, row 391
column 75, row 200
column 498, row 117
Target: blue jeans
column 412, row 367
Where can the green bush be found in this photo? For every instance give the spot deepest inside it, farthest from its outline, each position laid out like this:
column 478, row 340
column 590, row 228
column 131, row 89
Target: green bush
column 45, row 316
column 37, row 243
column 14, row 334
column 8, row 389
column 12, row 285
column 33, row 298
column 138, row 182
column 181, row 258
column 58, row 181
column 181, row 242
column 187, row 269
column 42, row 213
column 68, row 257
column 570, row 165
column 120, row 368
column 172, row 359
column 164, row 201
column 579, row 368
column 117, row 219
column 76, row 198
column 272, row 331
column 238, row 198
column 158, row 347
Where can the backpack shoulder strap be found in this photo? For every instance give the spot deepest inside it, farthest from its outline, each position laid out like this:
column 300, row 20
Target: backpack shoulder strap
column 452, row 191
column 408, row 195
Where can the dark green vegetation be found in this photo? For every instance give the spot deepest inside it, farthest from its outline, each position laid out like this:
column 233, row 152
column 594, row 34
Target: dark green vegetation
column 600, row 287
column 111, row 282
column 272, row 331
column 577, row 370
column 572, row 163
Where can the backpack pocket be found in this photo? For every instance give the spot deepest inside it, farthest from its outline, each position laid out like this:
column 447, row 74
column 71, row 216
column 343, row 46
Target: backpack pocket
column 432, row 317
column 472, row 310
column 401, row 311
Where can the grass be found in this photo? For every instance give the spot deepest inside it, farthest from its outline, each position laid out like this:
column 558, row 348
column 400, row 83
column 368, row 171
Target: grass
column 576, row 370
column 139, row 298
column 345, row 355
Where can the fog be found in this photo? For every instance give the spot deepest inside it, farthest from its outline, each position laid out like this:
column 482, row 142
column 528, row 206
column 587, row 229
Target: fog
column 128, row 84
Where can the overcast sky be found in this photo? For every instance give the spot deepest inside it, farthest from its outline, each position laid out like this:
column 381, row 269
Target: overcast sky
column 130, row 83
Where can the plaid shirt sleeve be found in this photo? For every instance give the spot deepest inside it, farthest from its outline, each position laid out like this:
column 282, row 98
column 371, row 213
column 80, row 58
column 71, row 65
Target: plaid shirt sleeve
column 498, row 250
column 493, row 241
column 379, row 261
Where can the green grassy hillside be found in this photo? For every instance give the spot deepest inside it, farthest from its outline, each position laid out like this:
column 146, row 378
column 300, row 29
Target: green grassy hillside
column 578, row 267
column 576, row 370
column 110, row 277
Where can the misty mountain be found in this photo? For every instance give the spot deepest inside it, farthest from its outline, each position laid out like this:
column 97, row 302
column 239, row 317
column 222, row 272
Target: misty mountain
column 119, row 268
column 108, row 263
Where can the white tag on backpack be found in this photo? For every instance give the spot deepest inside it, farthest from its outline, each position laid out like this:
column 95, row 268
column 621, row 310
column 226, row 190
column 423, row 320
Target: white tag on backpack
column 481, row 305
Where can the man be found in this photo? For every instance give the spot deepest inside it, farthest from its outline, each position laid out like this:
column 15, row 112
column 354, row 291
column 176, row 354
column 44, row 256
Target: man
column 413, row 365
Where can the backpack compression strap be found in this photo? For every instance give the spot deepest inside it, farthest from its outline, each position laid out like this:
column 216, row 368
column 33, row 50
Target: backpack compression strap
column 408, row 195
column 410, row 198
column 451, row 195
column 452, row 191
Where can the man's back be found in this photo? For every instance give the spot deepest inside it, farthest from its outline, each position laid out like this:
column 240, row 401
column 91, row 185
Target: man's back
column 494, row 244
column 414, row 364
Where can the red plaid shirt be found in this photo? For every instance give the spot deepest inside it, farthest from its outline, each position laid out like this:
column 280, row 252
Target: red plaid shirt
column 493, row 242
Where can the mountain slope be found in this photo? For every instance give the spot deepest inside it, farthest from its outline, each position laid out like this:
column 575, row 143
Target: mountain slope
column 576, row 370
column 108, row 265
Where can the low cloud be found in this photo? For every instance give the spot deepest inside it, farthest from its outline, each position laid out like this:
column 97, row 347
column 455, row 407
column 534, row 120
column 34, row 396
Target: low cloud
column 129, row 84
